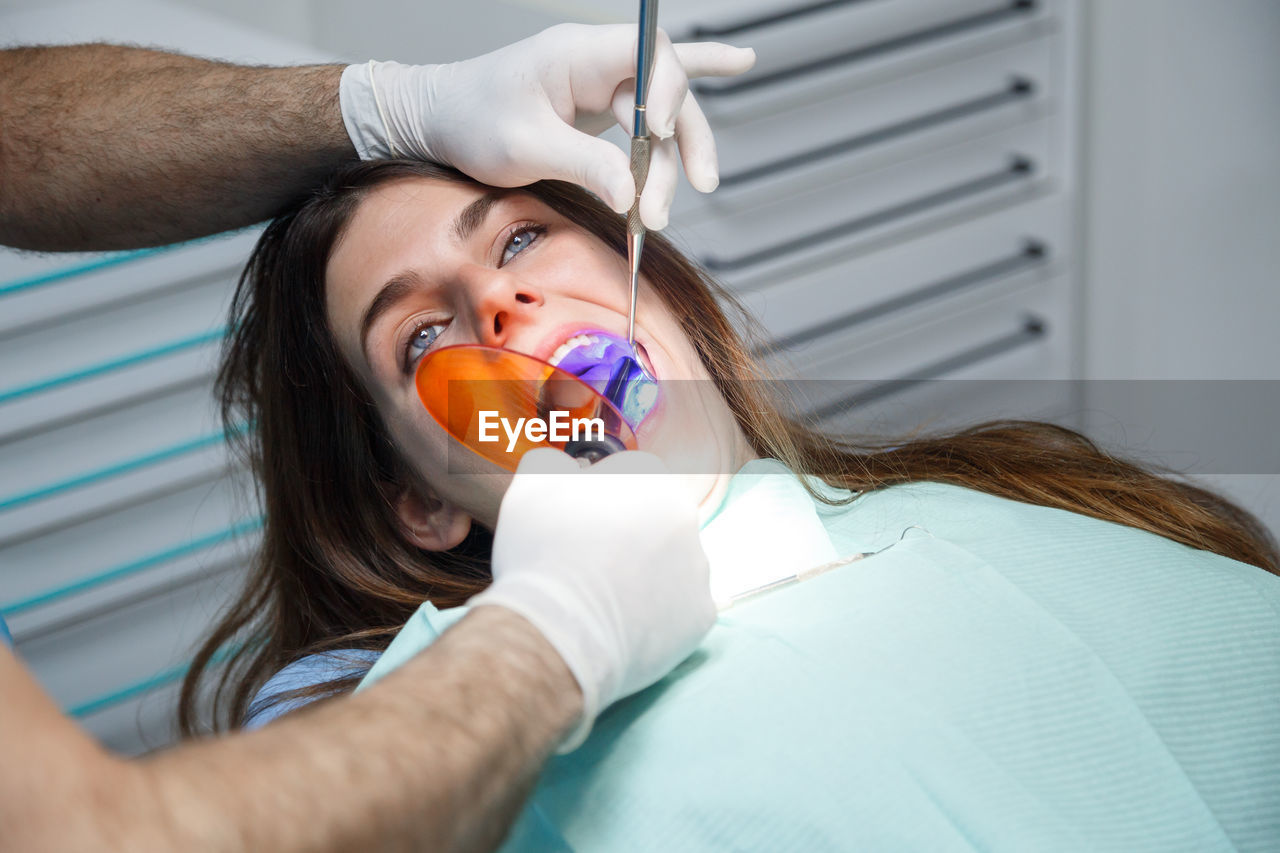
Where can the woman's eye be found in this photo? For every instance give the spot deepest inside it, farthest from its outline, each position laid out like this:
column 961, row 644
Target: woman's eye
column 421, row 340
column 519, row 241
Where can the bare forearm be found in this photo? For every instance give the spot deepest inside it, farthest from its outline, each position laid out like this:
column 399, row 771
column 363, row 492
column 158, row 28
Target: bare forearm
column 105, row 147
column 439, row 755
column 439, row 758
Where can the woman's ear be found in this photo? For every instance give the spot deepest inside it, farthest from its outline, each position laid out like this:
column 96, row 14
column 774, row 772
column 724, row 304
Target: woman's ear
column 429, row 522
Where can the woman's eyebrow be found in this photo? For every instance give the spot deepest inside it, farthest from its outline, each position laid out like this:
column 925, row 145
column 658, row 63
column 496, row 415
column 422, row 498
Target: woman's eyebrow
column 399, row 286
column 403, row 283
column 474, row 214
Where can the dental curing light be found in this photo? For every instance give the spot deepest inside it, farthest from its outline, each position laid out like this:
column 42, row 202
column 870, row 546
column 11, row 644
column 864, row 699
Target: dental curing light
column 501, row 404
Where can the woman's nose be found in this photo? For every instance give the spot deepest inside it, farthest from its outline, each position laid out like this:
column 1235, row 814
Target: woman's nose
column 503, row 302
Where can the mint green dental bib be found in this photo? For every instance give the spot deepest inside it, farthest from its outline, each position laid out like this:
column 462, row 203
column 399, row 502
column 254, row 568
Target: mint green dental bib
column 1000, row 677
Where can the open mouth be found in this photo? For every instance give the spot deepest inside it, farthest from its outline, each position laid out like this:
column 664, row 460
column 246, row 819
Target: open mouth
column 593, row 357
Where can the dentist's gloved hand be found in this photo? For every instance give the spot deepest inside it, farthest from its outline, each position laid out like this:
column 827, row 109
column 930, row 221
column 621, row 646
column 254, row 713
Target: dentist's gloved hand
column 531, row 111
column 605, row 561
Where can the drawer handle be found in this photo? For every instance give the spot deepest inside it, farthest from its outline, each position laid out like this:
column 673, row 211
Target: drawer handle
column 702, row 31
column 1019, row 168
column 1033, row 329
column 1033, row 254
column 1015, row 9
column 1018, row 89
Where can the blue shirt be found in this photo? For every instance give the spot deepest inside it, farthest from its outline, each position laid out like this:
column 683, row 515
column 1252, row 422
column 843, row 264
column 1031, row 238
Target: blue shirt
column 304, row 672
column 5, row 636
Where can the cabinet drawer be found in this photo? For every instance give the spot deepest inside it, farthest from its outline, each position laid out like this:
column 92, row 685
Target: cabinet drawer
column 38, row 289
column 914, row 280
column 1014, row 350
column 1036, row 319
column 107, row 386
column 942, row 405
column 92, row 467
column 83, row 345
column 33, row 464
column 857, row 130
column 750, row 245
column 810, row 49
column 107, row 659
column 56, row 577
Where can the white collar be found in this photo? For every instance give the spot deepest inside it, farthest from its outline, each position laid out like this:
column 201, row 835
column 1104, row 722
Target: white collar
column 765, row 529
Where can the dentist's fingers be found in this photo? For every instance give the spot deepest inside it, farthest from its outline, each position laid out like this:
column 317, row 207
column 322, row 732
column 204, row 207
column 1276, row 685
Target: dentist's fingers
column 623, row 104
column 697, row 147
column 630, row 462
column 599, row 165
column 594, row 124
column 697, row 59
column 547, row 460
column 714, row 59
column 675, row 65
column 667, row 88
column 660, row 185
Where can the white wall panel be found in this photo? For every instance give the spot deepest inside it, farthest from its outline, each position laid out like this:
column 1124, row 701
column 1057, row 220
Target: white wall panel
column 124, row 524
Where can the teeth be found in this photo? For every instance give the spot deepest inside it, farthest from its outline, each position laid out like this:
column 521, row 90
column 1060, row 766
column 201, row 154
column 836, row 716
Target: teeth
column 568, row 346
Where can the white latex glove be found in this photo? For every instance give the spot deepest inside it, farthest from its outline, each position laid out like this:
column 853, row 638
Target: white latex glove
column 531, row 111
column 606, row 562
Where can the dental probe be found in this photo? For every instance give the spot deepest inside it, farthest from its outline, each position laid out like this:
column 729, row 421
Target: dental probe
column 640, row 151
column 806, row 574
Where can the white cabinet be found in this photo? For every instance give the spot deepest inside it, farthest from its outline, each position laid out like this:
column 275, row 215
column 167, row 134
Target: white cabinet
column 897, row 202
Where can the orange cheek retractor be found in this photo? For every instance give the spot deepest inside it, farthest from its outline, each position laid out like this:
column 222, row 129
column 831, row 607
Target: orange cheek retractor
column 501, row 404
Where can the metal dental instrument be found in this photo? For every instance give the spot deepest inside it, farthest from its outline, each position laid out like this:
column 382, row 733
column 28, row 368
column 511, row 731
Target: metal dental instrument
column 640, row 150
column 813, row 572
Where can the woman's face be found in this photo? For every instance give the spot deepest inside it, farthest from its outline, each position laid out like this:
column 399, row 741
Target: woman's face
column 425, row 264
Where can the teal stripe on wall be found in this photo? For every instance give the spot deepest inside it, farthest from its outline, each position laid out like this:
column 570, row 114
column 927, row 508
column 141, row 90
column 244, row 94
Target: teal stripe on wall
column 110, row 366
column 235, row 531
column 105, row 261
column 144, row 686
column 119, row 468
column 65, row 273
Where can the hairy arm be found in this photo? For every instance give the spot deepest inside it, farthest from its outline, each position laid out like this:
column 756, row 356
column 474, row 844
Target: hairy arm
column 110, row 147
column 439, row 755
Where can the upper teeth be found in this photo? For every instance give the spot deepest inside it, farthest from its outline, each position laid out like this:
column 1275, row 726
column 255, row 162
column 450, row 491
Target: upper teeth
column 568, row 346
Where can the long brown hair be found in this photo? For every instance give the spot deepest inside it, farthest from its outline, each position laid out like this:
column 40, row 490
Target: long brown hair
column 333, row 572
